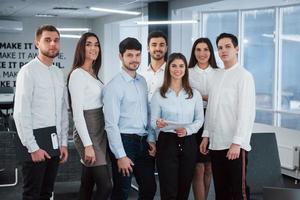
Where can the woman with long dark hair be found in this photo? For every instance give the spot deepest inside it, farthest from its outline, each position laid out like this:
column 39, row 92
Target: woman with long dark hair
column 89, row 135
column 201, row 67
column 177, row 110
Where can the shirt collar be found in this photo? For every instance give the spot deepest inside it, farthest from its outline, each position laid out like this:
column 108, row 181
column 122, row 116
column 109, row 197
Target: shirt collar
column 44, row 66
column 200, row 70
column 129, row 78
column 232, row 68
column 162, row 68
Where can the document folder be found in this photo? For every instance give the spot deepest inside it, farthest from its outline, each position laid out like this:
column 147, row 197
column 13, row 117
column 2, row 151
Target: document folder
column 46, row 139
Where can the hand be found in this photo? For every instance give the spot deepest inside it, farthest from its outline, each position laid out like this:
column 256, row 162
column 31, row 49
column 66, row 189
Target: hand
column 181, row 132
column 89, row 155
column 203, row 146
column 39, row 155
column 152, row 149
column 63, row 154
column 160, row 123
column 233, row 152
column 124, row 165
column 205, row 97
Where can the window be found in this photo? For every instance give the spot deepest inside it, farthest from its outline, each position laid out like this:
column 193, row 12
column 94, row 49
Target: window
column 269, row 49
column 290, row 70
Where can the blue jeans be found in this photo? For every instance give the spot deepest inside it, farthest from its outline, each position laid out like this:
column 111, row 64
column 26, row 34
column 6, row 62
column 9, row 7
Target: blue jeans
column 136, row 148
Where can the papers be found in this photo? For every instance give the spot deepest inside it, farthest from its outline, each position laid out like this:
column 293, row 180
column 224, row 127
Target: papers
column 174, row 125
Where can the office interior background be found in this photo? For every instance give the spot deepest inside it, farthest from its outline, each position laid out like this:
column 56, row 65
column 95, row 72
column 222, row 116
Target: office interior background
column 268, row 32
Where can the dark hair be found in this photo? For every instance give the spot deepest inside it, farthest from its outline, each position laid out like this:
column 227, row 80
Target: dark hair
column 232, row 37
column 79, row 57
column 157, row 34
column 43, row 28
column 129, row 43
column 212, row 60
column 167, row 77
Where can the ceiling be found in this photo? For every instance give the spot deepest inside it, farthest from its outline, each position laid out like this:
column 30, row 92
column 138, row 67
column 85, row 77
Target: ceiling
column 29, row 8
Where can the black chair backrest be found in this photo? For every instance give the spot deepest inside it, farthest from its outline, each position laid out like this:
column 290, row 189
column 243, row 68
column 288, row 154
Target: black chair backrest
column 275, row 193
column 6, row 90
column 264, row 167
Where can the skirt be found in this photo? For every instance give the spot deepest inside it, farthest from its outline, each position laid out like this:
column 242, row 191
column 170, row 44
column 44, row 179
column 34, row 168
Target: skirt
column 94, row 119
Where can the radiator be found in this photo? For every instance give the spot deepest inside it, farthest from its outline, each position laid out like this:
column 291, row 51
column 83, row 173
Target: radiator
column 289, row 157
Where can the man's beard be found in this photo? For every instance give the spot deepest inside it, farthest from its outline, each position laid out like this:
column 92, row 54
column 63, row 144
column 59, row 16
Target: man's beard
column 130, row 68
column 161, row 56
column 49, row 55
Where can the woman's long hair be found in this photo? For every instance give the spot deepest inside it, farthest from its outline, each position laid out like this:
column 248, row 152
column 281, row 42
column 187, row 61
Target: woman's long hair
column 211, row 61
column 167, row 76
column 79, row 58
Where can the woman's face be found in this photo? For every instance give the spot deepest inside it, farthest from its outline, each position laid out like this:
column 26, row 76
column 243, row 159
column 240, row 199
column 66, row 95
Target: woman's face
column 91, row 48
column 177, row 69
column 202, row 54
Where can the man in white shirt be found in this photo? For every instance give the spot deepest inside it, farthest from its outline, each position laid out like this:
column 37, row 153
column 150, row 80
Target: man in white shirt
column 154, row 74
column 229, row 120
column 40, row 103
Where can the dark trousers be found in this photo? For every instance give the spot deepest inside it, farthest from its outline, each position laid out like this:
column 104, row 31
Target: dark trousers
column 39, row 178
column 99, row 176
column 136, row 149
column 176, row 160
column 229, row 175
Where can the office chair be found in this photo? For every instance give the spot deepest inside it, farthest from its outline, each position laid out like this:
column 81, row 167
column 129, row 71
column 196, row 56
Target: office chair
column 276, row 193
column 264, row 167
column 8, row 156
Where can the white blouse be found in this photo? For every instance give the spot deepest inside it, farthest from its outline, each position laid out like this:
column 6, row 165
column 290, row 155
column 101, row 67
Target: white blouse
column 199, row 79
column 85, row 91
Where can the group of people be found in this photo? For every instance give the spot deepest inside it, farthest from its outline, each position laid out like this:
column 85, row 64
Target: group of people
column 139, row 123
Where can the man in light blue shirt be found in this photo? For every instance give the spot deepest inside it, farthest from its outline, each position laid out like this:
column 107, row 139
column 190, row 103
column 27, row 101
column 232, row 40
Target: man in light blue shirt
column 126, row 123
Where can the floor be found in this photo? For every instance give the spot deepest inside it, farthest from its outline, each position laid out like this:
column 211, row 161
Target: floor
column 68, row 190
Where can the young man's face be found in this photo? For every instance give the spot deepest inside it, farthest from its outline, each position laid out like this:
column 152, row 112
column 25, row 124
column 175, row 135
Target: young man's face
column 48, row 44
column 227, row 52
column 157, row 48
column 131, row 59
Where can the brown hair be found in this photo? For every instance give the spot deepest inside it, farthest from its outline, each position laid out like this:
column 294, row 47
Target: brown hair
column 43, row 28
column 79, row 58
column 167, row 77
column 211, row 61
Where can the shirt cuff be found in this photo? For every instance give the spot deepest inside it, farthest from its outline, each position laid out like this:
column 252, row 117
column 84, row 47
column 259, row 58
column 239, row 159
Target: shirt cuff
column 120, row 153
column 188, row 131
column 33, row 147
column 151, row 136
column 237, row 140
column 205, row 133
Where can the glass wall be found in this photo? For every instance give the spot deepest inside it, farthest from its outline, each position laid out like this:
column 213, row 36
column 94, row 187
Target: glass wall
column 269, row 48
column 216, row 23
column 290, row 70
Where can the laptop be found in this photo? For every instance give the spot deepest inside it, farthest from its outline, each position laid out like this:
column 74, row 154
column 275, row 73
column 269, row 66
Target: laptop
column 47, row 140
column 276, row 193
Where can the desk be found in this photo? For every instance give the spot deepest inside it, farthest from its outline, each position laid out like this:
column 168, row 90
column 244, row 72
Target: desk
column 6, row 98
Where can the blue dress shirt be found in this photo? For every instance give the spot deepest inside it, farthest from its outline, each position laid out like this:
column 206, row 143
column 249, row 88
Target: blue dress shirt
column 125, row 110
column 178, row 109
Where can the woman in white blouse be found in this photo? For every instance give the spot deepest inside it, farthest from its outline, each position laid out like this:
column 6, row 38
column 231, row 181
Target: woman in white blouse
column 201, row 68
column 90, row 138
column 177, row 110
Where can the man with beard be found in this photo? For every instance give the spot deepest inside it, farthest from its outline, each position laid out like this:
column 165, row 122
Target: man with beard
column 154, row 74
column 125, row 111
column 40, row 103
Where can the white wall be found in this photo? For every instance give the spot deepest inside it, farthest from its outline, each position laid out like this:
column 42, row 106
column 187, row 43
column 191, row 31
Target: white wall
column 27, row 36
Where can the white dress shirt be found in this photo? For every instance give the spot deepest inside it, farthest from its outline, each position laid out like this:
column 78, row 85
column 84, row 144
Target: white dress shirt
column 199, row 79
column 85, row 91
column 40, row 101
column 154, row 79
column 230, row 111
